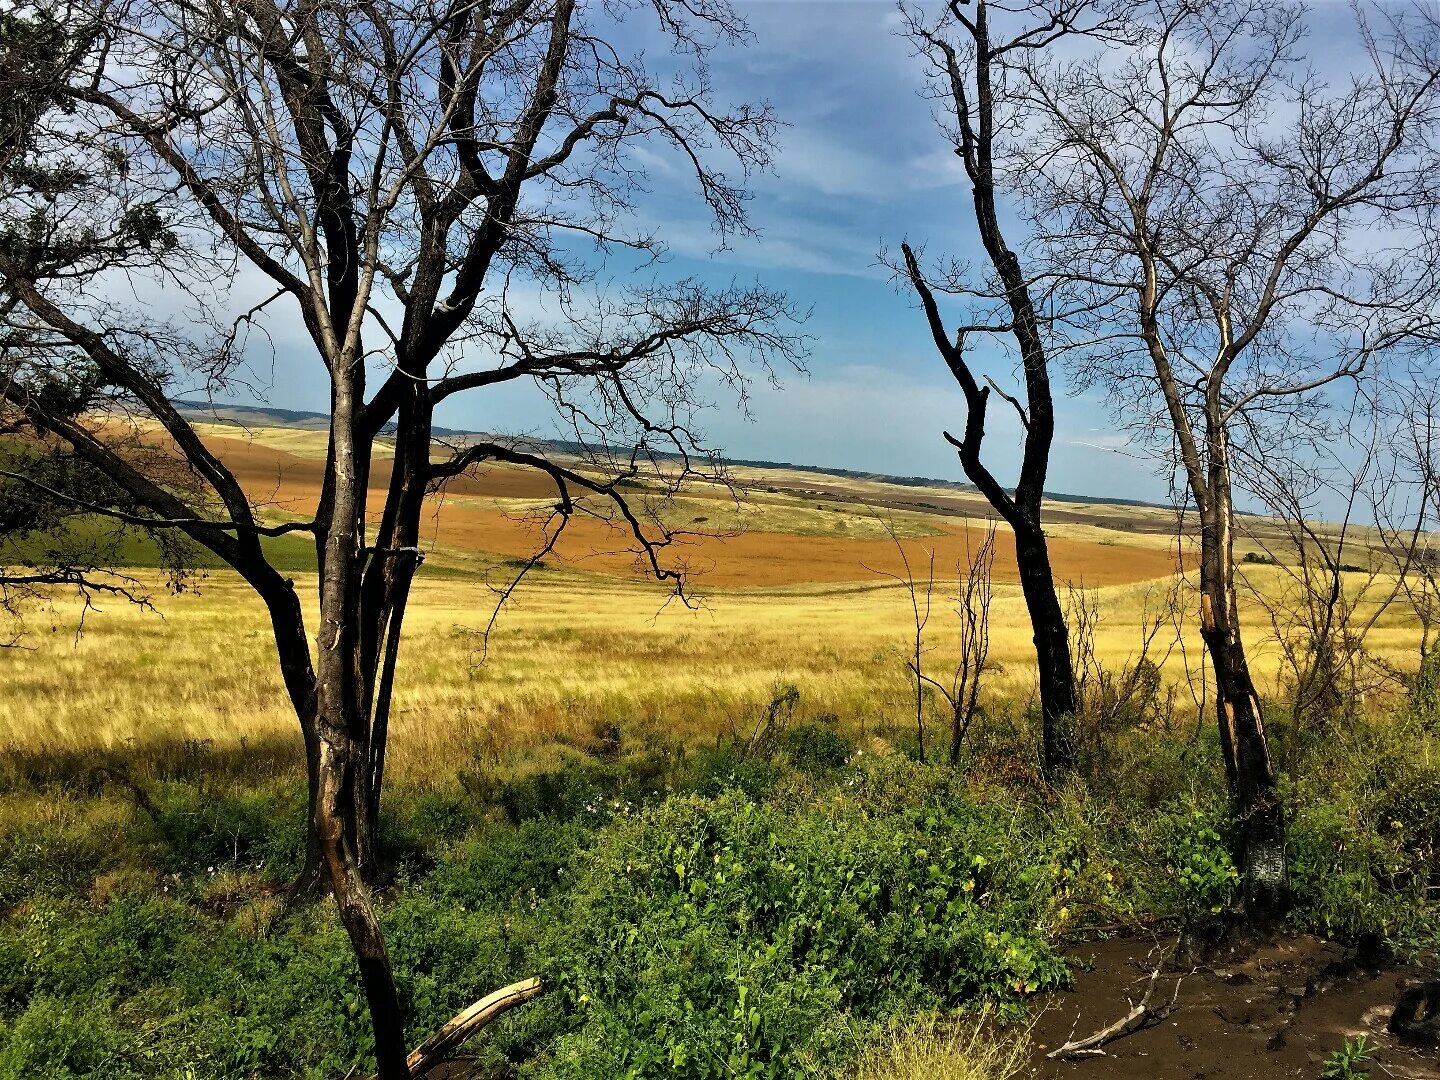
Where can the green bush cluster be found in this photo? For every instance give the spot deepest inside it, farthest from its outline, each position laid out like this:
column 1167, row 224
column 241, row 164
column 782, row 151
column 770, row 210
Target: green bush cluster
column 1365, row 841
column 720, row 937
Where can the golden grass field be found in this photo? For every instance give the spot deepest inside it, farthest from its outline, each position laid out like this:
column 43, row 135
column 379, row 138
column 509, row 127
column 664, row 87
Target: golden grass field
column 585, row 640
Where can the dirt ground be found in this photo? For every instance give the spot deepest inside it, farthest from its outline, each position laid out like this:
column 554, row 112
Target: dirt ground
column 277, row 479
column 1277, row 1010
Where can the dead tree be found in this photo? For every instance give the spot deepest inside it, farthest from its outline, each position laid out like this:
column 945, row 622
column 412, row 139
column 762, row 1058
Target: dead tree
column 395, row 175
column 1218, row 221
column 969, row 69
column 972, row 612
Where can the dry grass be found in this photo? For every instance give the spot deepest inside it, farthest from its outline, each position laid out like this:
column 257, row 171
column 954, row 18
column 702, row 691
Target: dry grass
column 796, row 602
column 953, row 1050
column 571, row 652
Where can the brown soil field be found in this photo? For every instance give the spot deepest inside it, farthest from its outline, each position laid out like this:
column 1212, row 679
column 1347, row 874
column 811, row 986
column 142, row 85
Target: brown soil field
column 286, row 482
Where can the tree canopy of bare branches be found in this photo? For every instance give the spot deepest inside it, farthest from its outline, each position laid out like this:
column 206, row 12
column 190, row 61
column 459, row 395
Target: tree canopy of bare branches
column 1225, row 235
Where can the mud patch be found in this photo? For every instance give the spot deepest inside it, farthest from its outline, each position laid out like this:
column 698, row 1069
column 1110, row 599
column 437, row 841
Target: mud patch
column 1273, row 1010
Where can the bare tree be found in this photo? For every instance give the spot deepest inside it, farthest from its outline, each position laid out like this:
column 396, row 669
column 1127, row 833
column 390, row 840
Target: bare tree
column 922, row 601
column 400, row 177
column 42, row 488
column 969, row 67
column 1133, row 694
column 1229, row 233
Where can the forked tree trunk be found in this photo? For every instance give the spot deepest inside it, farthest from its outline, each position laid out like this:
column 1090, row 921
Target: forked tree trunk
column 343, row 818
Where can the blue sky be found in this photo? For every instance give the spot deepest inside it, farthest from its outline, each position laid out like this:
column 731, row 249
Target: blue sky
column 861, row 167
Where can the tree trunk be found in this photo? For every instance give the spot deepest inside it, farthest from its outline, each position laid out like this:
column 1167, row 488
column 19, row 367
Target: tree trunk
column 292, row 643
column 385, row 588
column 343, row 809
column 1252, row 780
column 308, row 884
column 1052, row 650
column 380, row 725
column 343, row 819
column 1243, row 742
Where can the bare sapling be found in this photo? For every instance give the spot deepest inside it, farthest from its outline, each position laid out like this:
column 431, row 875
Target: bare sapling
column 921, row 596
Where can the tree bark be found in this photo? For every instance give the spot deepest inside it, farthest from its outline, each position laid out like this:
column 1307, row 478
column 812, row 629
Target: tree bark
column 1243, row 742
column 344, row 823
column 1052, row 651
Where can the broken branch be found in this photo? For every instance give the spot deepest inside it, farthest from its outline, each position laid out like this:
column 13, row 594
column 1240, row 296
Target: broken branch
column 467, row 1023
column 1141, row 1015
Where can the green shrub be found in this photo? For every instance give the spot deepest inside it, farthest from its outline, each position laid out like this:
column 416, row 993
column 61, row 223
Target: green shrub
column 816, row 748
column 414, row 829
column 773, row 919
column 1339, row 875
column 583, row 788
column 501, row 866
column 56, row 1039
column 1198, row 859
column 726, row 767
column 1423, row 703
column 261, row 828
column 57, row 854
column 718, row 937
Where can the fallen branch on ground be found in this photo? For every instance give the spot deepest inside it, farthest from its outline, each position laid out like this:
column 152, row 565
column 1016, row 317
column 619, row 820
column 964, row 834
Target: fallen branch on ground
column 1141, row 1015
column 467, row 1023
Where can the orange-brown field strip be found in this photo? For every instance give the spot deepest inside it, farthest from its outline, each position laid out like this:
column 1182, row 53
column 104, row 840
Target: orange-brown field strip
column 290, row 483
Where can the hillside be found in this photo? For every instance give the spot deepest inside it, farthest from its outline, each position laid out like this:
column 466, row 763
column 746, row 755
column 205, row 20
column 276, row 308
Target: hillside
column 255, row 416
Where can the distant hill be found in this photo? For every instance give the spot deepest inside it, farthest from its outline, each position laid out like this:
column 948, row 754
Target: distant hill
column 317, row 421
column 268, row 417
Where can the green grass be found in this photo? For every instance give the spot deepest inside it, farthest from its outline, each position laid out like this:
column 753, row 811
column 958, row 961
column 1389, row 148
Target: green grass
column 134, row 548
